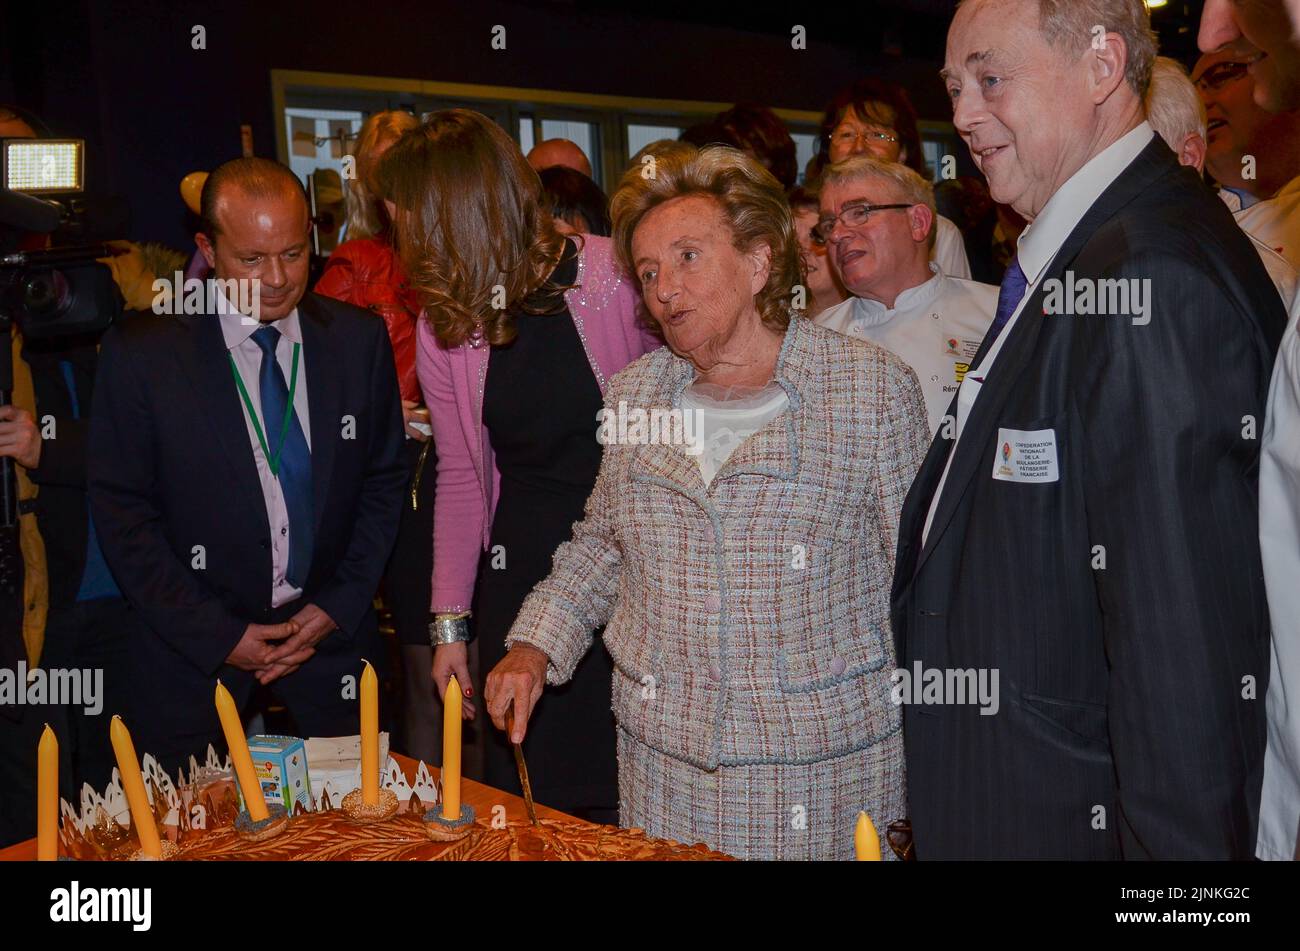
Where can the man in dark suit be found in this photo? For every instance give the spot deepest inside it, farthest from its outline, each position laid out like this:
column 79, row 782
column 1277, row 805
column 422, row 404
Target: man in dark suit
column 1086, row 525
column 245, row 477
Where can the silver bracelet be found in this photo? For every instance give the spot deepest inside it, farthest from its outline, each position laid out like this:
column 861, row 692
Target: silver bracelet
column 449, row 630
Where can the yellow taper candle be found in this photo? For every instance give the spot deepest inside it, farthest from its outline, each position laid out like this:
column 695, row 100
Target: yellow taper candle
column 866, row 843
column 47, row 797
column 128, row 764
column 369, row 736
column 451, row 702
column 233, row 728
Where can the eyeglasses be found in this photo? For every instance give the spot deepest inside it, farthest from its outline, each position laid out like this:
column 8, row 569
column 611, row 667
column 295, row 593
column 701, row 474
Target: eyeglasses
column 1219, row 75
column 853, row 215
column 847, row 136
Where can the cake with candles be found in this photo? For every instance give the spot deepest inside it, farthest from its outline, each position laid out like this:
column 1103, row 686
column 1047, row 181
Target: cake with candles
column 196, row 816
column 277, row 798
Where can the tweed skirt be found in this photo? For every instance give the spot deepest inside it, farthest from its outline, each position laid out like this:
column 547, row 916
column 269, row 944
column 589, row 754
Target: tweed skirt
column 769, row 811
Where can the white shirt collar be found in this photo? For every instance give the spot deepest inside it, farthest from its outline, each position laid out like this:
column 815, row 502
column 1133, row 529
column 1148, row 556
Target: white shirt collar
column 1041, row 240
column 875, row 313
column 236, row 328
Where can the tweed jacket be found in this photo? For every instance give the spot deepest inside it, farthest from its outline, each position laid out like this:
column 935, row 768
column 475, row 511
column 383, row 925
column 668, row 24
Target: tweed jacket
column 747, row 619
column 605, row 308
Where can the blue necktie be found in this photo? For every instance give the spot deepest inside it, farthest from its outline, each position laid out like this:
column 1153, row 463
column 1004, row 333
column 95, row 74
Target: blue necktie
column 295, row 457
column 1014, row 283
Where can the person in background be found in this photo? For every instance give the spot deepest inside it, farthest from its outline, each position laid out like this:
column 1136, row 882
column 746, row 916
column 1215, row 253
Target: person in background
column 877, row 223
column 575, row 202
column 365, row 270
column 1262, row 31
column 747, row 682
column 874, row 117
column 1178, row 116
column 1238, row 127
column 1091, row 530
column 1277, row 89
column 245, row 479
column 523, row 328
column 754, row 130
column 823, row 285
column 707, row 133
column 1253, row 154
column 965, row 201
column 68, row 613
column 759, row 132
column 551, row 152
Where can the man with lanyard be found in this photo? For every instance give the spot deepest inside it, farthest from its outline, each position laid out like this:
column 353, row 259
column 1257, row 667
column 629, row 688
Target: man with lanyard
column 245, row 477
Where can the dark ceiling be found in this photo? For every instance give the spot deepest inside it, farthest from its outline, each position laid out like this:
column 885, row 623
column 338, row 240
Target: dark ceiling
column 912, row 28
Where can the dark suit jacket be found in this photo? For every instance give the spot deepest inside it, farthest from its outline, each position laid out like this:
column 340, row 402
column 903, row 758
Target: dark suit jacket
column 170, row 469
column 1122, row 729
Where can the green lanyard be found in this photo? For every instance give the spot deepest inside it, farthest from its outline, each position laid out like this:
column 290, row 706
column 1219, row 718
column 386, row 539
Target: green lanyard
column 274, row 461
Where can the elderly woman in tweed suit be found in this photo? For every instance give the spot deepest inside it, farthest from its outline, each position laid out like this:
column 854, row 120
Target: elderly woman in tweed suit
column 742, row 576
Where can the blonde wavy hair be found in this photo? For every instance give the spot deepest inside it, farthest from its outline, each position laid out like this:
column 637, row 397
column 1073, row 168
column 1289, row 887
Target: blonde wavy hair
column 471, row 226
column 365, row 212
column 751, row 199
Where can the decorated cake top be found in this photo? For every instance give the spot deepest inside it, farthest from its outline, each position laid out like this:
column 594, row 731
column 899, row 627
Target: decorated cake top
column 197, row 816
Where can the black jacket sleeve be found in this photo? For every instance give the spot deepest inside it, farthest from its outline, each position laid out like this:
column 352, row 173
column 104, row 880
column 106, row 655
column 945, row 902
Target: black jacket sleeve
column 348, row 595
column 122, row 491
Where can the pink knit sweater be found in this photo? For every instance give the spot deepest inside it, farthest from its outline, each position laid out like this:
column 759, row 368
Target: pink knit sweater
column 604, row 305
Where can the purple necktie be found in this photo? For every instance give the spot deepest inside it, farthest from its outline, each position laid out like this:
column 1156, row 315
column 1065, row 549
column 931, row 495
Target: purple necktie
column 1014, row 283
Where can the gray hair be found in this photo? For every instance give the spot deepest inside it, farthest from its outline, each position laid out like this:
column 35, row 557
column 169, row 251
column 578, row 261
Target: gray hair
column 911, row 187
column 1174, row 109
column 1070, row 25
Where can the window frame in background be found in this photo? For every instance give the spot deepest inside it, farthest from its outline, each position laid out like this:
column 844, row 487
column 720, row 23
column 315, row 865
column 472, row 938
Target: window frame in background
column 610, row 116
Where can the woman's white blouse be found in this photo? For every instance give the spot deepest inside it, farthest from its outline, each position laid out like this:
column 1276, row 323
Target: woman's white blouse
column 723, row 424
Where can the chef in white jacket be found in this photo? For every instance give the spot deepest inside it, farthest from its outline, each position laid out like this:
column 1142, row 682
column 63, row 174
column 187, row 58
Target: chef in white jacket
column 877, row 220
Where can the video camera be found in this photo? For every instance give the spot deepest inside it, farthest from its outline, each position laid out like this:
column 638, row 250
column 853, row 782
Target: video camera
column 55, row 291
column 59, row 290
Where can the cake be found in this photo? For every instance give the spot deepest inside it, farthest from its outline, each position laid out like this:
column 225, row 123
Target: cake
column 332, row 837
column 327, row 834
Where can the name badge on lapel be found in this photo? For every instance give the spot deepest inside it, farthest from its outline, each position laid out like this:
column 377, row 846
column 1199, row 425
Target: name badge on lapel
column 1026, row 456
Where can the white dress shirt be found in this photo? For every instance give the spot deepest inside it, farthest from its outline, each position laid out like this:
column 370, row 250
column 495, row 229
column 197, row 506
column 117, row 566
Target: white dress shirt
column 1037, row 246
column 238, row 333
column 935, row 328
column 1274, row 221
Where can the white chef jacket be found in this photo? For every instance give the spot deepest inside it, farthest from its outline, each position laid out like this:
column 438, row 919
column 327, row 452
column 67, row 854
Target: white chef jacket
column 1279, row 540
column 1274, row 221
column 935, row 328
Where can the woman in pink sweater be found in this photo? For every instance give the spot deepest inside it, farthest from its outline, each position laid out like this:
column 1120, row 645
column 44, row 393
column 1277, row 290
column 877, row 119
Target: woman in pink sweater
column 522, row 329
